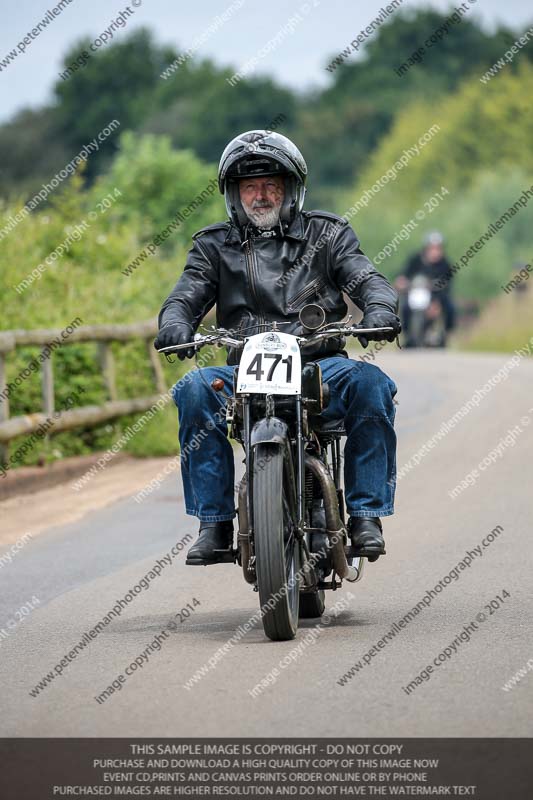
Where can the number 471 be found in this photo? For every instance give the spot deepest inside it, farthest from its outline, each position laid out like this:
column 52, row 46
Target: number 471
column 255, row 367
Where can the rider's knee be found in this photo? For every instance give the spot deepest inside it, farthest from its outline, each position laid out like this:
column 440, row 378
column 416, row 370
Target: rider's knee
column 374, row 389
column 193, row 387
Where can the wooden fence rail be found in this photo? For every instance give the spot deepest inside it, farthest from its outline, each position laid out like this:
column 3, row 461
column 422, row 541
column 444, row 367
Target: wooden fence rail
column 87, row 416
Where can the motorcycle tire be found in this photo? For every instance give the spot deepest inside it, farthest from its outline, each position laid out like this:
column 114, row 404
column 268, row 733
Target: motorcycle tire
column 276, row 547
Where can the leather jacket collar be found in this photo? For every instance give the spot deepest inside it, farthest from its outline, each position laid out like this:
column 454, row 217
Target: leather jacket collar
column 295, row 231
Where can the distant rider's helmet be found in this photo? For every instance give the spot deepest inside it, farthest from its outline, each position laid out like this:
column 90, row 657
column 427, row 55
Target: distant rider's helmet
column 260, row 154
column 435, row 239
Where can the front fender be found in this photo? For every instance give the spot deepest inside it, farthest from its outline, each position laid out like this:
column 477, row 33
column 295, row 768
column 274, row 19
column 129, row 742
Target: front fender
column 270, row 429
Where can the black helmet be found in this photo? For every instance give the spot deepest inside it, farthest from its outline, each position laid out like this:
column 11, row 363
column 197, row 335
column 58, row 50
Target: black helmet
column 262, row 153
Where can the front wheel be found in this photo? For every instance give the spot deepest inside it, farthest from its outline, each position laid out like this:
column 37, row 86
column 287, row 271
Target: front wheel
column 275, row 542
column 417, row 328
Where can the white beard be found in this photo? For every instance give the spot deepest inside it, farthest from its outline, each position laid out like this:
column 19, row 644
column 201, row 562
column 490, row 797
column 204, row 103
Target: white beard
column 267, row 218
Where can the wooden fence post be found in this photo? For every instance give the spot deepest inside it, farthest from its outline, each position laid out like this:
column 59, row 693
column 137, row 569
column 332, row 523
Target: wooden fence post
column 157, row 369
column 47, row 385
column 4, row 407
column 107, row 363
column 84, row 416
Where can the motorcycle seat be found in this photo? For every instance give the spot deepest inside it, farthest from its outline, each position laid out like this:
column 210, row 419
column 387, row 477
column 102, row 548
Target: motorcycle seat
column 330, row 426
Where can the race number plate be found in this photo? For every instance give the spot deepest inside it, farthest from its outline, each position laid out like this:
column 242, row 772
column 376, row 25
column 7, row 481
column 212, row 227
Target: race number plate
column 270, row 364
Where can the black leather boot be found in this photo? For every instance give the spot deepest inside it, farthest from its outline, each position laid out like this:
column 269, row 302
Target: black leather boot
column 366, row 534
column 213, row 536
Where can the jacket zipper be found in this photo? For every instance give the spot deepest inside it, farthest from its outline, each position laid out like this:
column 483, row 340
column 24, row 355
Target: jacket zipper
column 303, row 294
column 250, row 267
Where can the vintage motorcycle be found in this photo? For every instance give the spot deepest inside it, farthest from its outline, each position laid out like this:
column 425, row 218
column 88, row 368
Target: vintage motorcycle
column 292, row 542
column 426, row 319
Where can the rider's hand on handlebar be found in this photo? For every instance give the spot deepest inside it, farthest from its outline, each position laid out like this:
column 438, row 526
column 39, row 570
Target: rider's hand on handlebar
column 401, row 283
column 377, row 316
column 178, row 333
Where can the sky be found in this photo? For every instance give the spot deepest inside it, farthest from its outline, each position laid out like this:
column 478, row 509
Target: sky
column 315, row 31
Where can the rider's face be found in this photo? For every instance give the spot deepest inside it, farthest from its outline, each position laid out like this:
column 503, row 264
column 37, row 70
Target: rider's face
column 262, row 198
column 434, row 253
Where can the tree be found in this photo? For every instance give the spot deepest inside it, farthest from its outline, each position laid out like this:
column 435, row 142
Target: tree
column 116, row 83
column 366, row 94
column 31, row 151
column 157, row 182
column 480, row 154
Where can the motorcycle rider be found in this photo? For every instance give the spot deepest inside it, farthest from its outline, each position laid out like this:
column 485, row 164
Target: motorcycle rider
column 262, row 265
column 432, row 263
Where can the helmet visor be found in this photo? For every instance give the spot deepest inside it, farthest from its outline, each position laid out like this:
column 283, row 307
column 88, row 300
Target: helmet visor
column 254, row 166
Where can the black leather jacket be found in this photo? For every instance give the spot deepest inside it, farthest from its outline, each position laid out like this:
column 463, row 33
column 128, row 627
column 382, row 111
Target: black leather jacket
column 255, row 280
column 439, row 273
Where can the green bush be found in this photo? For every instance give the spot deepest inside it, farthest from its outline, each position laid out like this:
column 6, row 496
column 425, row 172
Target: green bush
column 147, row 184
column 505, row 325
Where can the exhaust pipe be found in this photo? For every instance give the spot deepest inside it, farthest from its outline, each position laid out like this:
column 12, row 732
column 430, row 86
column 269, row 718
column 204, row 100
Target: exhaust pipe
column 243, row 538
column 334, row 526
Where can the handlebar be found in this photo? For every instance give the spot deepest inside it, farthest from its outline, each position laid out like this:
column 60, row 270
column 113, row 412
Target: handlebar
column 345, row 330
column 225, row 338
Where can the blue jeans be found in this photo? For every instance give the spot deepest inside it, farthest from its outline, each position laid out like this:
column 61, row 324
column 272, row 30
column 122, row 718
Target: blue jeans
column 360, row 394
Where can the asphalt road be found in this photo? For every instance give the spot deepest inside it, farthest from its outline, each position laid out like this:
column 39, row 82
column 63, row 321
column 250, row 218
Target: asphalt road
column 78, row 571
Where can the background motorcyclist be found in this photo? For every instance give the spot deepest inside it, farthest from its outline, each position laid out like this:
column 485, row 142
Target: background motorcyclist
column 264, row 264
column 431, row 263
